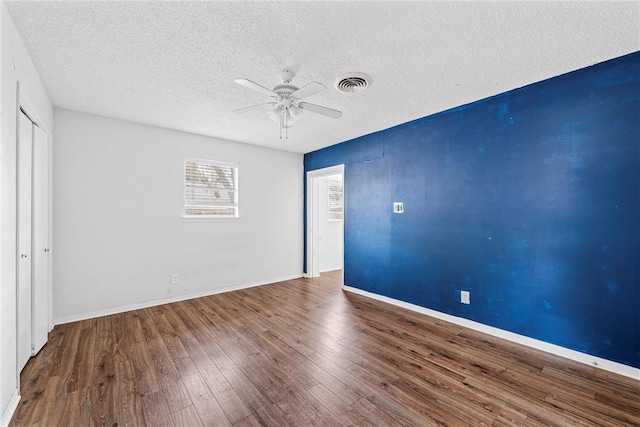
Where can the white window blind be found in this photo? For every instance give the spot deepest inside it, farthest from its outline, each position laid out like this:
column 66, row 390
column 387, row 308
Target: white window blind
column 210, row 189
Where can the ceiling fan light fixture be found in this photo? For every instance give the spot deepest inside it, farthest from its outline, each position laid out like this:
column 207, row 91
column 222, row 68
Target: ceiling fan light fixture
column 283, row 116
column 295, row 113
column 274, row 114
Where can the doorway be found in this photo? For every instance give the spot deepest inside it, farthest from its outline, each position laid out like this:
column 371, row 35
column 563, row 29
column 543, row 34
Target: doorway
column 325, row 220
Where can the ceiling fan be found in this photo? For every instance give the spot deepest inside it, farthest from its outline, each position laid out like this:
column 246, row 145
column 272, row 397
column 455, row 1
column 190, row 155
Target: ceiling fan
column 287, row 106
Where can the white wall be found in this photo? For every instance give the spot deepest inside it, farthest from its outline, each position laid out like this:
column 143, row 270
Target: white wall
column 330, row 232
column 15, row 66
column 118, row 226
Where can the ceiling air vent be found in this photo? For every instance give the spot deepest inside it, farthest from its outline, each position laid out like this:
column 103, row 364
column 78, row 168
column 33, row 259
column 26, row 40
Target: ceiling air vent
column 352, row 82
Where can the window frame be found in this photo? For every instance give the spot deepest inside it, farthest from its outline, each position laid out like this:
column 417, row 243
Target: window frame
column 190, row 217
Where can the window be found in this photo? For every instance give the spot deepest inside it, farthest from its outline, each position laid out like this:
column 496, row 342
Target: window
column 210, row 189
column 335, row 200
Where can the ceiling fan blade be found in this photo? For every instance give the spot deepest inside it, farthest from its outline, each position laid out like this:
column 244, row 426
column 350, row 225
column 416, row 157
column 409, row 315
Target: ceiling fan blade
column 266, row 106
column 318, row 109
column 308, row 90
column 255, row 86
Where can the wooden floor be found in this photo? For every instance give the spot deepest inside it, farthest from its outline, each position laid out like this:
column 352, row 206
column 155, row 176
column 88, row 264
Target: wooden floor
column 305, row 353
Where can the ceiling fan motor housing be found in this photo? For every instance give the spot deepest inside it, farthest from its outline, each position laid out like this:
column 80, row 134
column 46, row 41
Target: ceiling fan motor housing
column 284, row 90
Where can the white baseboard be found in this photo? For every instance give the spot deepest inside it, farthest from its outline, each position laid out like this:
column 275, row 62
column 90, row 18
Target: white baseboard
column 9, row 410
column 122, row 309
column 608, row 365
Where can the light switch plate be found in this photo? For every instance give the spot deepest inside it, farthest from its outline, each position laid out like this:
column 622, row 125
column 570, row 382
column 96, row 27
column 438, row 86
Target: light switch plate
column 465, row 297
column 398, row 207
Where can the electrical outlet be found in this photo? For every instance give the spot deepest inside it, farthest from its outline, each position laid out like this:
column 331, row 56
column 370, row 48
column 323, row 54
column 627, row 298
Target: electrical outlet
column 398, row 207
column 175, row 279
column 465, row 297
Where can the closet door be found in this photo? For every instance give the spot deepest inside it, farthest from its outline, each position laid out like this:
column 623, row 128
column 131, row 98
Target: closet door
column 40, row 295
column 25, row 161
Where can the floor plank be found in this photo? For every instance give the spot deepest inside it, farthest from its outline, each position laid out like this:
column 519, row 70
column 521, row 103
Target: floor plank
column 302, row 353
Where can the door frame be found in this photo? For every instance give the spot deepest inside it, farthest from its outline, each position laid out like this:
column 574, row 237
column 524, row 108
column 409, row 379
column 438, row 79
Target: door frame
column 313, row 241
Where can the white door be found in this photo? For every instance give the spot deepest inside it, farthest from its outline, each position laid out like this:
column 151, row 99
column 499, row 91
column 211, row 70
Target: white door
column 25, row 161
column 40, row 294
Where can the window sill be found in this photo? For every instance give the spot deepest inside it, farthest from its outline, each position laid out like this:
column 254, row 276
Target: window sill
column 209, row 219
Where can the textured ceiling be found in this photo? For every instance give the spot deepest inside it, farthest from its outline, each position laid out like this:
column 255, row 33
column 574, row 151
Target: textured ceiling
column 173, row 64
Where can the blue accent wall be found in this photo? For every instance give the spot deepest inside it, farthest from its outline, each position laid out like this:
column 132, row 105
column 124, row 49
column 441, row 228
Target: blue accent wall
column 529, row 199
